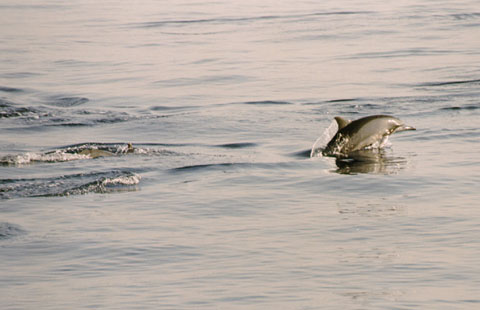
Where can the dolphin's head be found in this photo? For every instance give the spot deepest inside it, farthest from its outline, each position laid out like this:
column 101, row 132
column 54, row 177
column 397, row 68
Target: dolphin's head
column 398, row 126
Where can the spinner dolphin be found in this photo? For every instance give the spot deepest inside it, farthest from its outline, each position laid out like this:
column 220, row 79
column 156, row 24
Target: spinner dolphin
column 367, row 132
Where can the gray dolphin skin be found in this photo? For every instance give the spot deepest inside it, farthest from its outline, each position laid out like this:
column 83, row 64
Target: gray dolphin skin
column 363, row 133
column 95, row 153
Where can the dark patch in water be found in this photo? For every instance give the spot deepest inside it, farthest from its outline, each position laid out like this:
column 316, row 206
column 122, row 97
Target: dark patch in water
column 372, row 106
column 341, row 100
column 56, row 122
column 18, row 75
column 451, row 108
column 8, row 230
column 237, row 145
column 267, row 102
column 67, row 124
column 165, row 108
column 467, row 107
column 302, row 154
column 66, row 102
column 205, row 166
column 10, row 89
column 451, row 83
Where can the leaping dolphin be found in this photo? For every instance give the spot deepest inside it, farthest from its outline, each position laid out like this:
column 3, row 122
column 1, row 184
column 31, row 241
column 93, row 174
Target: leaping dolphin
column 370, row 131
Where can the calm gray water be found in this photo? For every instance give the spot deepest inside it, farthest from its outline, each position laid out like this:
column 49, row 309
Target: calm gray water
column 218, row 205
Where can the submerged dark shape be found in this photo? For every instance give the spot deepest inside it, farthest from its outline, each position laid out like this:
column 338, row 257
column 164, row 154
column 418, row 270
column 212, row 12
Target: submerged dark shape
column 367, row 132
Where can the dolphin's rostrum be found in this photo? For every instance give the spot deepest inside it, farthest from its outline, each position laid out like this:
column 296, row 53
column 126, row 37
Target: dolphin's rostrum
column 370, row 131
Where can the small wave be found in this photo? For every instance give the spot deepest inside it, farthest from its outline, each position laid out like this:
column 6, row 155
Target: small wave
column 240, row 145
column 466, row 107
column 267, row 102
column 305, row 153
column 400, row 53
column 132, row 179
column 8, row 230
column 17, row 112
column 461, row 16
column 206, row 166
column 341, row 100
column 166, row 108
column 447, row 83
column 47, row 116
column 65, row 111
column 207, row 79
column 66, row 185
column 9, row 109
column 223, row 20
column 105, row 184
column 10, row 89
column 68, row 122
column 19, row 75
column 66, row 102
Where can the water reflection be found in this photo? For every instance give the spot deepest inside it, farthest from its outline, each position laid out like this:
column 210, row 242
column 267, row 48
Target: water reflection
column 375, row 161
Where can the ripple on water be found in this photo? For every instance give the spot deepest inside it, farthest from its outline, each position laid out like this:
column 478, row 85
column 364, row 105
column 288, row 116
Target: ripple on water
column 65, row 102
column 9, row 230
column 10, row 89
column 449, row 83
column 9, row 109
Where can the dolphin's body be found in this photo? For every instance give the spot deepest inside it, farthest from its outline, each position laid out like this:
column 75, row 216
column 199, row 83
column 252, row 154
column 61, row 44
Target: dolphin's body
column 95, row 153
column 370, row 131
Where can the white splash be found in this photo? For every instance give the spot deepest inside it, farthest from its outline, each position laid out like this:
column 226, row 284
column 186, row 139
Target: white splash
column 322, row 141
column 132, row 179
column 30, row 157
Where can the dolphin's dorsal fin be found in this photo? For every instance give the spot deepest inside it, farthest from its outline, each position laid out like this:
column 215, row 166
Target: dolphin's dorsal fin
column 342, row 122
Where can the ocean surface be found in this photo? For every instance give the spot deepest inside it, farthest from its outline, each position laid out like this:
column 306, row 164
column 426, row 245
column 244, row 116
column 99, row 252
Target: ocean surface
column 156, row 155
